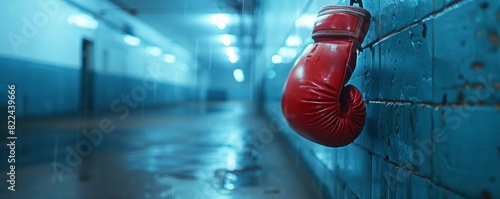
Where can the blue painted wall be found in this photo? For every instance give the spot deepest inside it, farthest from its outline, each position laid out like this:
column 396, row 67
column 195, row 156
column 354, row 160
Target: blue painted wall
column 430, row 76
column 40, row 88
column 50, row 90
column 45, row 91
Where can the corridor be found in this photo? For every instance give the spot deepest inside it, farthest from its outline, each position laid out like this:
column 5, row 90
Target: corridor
column 249, row 99
column 213, row 150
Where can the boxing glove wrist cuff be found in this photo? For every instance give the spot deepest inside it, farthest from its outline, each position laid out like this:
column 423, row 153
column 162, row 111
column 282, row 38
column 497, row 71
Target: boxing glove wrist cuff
column 342, row 21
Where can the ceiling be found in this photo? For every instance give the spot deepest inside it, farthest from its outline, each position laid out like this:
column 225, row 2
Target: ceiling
column 188, row 23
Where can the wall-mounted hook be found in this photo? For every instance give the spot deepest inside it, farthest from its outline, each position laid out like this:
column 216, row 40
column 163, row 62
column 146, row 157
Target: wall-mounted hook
column 359, row 2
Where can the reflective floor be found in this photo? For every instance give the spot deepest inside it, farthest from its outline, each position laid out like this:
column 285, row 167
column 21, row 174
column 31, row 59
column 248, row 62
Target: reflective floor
column 187, row 151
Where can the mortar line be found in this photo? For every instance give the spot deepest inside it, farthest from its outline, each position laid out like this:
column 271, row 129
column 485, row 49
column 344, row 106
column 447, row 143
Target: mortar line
column 416, row 173
column 431, row 159
column 397, row 166
column 425, row 17
column 429, row 104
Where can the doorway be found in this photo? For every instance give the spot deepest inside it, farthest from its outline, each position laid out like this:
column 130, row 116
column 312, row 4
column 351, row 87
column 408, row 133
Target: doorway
column 86, row 78
column 86, row 102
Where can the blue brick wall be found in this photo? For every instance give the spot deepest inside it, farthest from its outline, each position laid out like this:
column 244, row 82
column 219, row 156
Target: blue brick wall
column 430, row 76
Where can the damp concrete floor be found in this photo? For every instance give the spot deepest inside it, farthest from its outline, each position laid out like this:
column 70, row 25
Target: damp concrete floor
column 192, row 151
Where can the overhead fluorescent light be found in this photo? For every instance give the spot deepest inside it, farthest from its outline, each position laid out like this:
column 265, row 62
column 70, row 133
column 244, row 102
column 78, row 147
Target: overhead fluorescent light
column 238, row 74
column 83, row 21
column 226, row 40
column 287, row 52
column 169, row 58
column 306, row 21
column 153, row 50
column 131, row 40
column 276, row 59
column 293, row 40
column 220, row 20
column 230, row 51
column 233, row 58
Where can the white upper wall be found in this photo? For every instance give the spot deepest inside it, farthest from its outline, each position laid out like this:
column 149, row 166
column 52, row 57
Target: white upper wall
column 38, row 31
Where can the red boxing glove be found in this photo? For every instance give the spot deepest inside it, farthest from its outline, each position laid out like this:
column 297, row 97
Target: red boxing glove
column 315, row 101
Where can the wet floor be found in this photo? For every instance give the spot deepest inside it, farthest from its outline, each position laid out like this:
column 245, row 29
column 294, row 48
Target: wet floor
column 188, row 151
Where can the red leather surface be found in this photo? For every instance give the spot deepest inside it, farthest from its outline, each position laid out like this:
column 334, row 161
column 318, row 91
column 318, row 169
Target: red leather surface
column 315, row 100
column 337, row 21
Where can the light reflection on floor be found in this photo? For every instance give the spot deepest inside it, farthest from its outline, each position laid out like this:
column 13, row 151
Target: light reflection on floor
column 202, row 152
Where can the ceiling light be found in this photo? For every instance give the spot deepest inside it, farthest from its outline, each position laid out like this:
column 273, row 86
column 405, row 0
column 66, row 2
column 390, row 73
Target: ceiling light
column 293, row 40
column 238, row 74
column 226, row 40
column 230, row 51
column 220, row 20
column 131, row 40
column 155, row 51
column 287, row 52
column 83, row 21
column 233, row 58
column 276, row 59
column 169, row 58
column 306, row 21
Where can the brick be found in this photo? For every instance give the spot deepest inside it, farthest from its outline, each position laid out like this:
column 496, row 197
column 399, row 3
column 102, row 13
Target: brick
column 357, row 79
column 401, row 133
column 422, row 188
column 466, row 51
column 363, row 67
column 443, row 193
column 369, row 62
column 384, row 181
column 455, row 64
column 374, row 32
column 395, row 15
column 392, row 182
column 406, row 64
column 364, row 140
column 370, row 129
column 440, row 4
column 467, row 150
